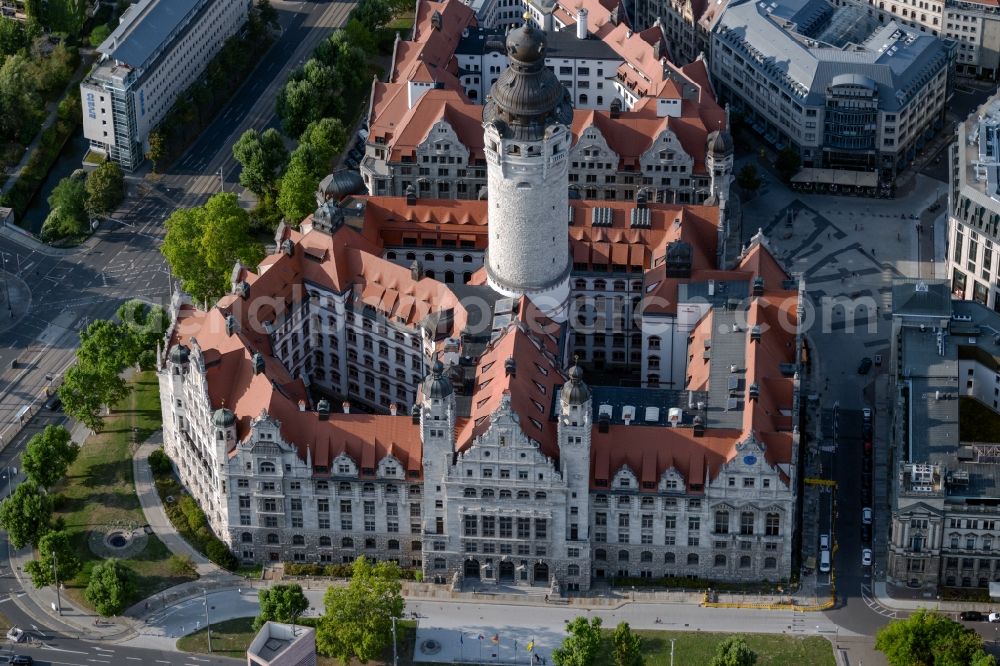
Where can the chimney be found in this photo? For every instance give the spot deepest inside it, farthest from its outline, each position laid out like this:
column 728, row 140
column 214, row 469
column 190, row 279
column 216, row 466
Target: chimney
column 288, row 247
column 411, row 195
column 393, row 409
column 231, row 326
column 758, row 286
column 755, row 333
column 416, row 270
column 347, row 407
column 754, row 392
column 302, row 405
column 640, row 200
column 436, row 20
column 243, row 289
column 415, row 414
column 581, row 24
column 699, row 426
column 510, row 367
column 258, row 363
column 616, row 108
column 323, row 409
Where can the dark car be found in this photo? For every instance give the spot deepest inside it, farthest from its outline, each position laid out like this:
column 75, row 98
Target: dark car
column 54, row 403
column 972, row 616
column 21, row 660
column 864, row 366
column 866, row 432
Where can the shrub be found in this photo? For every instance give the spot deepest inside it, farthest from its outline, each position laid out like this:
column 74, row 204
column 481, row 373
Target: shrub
column 147, row 360
column 219, row 553
column 180, row 565
column 196, row 518
column 160, row 463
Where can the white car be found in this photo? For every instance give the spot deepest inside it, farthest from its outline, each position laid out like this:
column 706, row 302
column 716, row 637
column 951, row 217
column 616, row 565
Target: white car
column 866, row 557
column 866, row 515
column 824, row 542
column 994, row 617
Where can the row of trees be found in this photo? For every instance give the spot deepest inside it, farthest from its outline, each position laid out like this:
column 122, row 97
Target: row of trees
column 80, row 196
column 28, row 79
column 106, row 348
column 928, row 638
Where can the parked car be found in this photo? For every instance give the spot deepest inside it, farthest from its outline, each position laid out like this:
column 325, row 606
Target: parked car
column 21, row 660
column 824, row 561
column 868, row 447
column 866, row 432
column 824, row 542
column 971, row 616
column 54, row 403
column 994, row 617
column 866, row 557
column 866, row 516
column 866, row 413
column 864, row 366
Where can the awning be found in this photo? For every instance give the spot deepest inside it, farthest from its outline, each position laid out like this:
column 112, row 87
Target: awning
column 810, row 176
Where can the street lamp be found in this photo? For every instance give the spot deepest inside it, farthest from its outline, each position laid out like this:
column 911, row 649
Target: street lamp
column 208, row 624
column 222, row 180
column 55, row 577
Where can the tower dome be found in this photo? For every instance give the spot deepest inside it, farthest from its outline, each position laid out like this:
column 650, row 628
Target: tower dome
column 437, row 386
column 224, row 418
column 720, row 143
column 528, row 96
column 575, row 391
column 179, row 354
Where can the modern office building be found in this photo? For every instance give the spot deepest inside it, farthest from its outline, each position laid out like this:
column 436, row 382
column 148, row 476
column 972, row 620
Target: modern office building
column 974, row 207
column 158, row 50
column 843, row 90
column 945, row 490
column 456, row 337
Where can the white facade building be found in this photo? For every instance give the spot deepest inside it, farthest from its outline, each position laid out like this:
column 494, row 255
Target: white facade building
column 158, row 50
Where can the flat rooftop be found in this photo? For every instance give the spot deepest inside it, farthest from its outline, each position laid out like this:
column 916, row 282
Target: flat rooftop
column 144, row 27
column 979, row 151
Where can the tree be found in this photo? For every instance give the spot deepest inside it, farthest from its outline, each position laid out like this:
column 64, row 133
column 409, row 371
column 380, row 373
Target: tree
column 581, row 645
column 48, row 455
column 373, row 14
column 108, row 346
column 282, row 603
column 356, row 34
column 13, row 37
column 734, row 651
column 357, row 621
column 297, row 197
column 748, row 180
column 326, row 138
column 105, row 188
column 99, row 34
column 262, row 156
column 267, row 14
column 65, row 16
column 25, row 514
column 159, row 463
column 147, row 323
column 19, row 99
column 628, row 646
column 53, row 547
column 928, row 638
column 788, row 162
column 69, row 198
column 203, row 244
column 110, row 587
column 156, row 148
column 86, row 389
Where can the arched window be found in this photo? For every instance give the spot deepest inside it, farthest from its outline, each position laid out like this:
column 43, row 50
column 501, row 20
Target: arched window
column 325, row 542
column 466, row 276
column 654, row 342
column 272, row 539
column 580, row 284
column 720, row 560
column 298, row 540
column 449, row 258
column 449, row 277
column 646, row 556
column 428, row 257
column 429, row 274
column 583, row 98
column 668, row 558
column 770, row 563
column 623, row 556
column 600, row 555
column 540, row 495
column 745, row 562
column 469, row 492
column 439, row 563
column 523, row 495
column 692, row 559
column 246, row 537
column 390, row 255
column 393, row 544
column 488, row 493
column 347, row 542
column 267, row 467
column 505, row 494
column 573, row 570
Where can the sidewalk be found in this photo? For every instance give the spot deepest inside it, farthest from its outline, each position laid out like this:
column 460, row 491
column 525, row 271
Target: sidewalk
column 883, row 592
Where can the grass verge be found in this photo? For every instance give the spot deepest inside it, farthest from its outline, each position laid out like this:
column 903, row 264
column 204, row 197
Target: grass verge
column 99, row 490
column 698, row 647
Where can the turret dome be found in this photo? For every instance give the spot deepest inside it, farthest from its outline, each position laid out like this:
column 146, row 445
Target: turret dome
column 179, row 354
column 437, row 386
column 575, row 391
column 224, row 418
column 720, row 143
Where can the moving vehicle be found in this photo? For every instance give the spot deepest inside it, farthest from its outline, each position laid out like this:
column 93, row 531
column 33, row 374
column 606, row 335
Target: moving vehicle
column 21, row 660
column 866, row 515
column 866, row 557
column 824, row 562
column 971, row 616
column 864, row 366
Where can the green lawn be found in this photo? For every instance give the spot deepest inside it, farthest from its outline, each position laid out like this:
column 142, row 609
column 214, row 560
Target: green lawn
column 698, row 647
column 99, row 490
column 977, row 422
